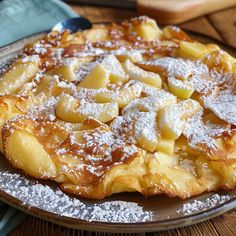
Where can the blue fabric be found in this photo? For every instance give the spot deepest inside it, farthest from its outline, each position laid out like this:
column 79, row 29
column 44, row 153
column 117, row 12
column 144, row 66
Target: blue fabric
column 10, row 220
column 19, row 18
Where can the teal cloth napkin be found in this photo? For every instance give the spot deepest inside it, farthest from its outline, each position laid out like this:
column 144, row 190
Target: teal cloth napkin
column 10, row 220
column 19, row 18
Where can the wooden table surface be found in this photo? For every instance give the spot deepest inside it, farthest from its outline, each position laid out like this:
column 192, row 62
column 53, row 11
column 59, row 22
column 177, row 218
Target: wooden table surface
column 220, row 25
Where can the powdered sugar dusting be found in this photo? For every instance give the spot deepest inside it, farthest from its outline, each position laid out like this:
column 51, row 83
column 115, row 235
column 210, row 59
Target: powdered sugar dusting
column 53, row 200
column 223, row 104
column 44, row 108
column 96, row 110
column 146, row 126
column 201, row 205
column 88, row 94
column 107, row 142
column 159, row 100
column 88, row 50
column 195, row 72
column 202, row 136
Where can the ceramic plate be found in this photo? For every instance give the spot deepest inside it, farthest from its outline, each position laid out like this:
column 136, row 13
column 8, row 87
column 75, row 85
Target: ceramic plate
column 127, row 212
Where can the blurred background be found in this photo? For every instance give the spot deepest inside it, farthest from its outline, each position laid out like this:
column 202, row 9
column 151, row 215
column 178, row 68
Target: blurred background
column 215, row 18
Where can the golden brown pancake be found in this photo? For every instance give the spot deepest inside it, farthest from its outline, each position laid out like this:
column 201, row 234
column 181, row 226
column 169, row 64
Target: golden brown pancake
column 122, row 107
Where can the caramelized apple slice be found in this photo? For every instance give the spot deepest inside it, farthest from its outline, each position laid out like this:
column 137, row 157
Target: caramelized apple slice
column 192, row 50
column 181, row 89
column 173, row 32
column 23, row 150
column 117, row 73
column 97, row 78
column 123, row 96
column 172, row 119
column 134, row 56
column 72, row 110
column 45, row 83
column 159, row 100
column 97, row 33
column 220, row 60
column 145, row 131
column 136, row 73
column 148, row 30
column 20, row 73
column 67, row 71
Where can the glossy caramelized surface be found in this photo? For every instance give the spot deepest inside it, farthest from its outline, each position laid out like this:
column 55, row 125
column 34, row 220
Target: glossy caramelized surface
column 122, row 108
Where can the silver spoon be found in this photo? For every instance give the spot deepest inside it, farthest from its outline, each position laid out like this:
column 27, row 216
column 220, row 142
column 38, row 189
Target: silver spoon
column 73, row 24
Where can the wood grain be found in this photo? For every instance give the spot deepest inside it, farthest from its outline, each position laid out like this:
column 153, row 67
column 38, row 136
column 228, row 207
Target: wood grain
column 177, row 11
column 203, row 26
column 224, row 22
column 220, row 25
column 97, row 14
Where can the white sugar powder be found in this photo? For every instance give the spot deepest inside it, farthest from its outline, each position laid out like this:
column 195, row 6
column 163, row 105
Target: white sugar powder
column 54, row 200
column 201, row 205
column 223, row 104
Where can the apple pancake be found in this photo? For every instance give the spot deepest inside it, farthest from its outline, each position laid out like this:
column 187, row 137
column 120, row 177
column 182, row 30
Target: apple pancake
column 122, row 107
